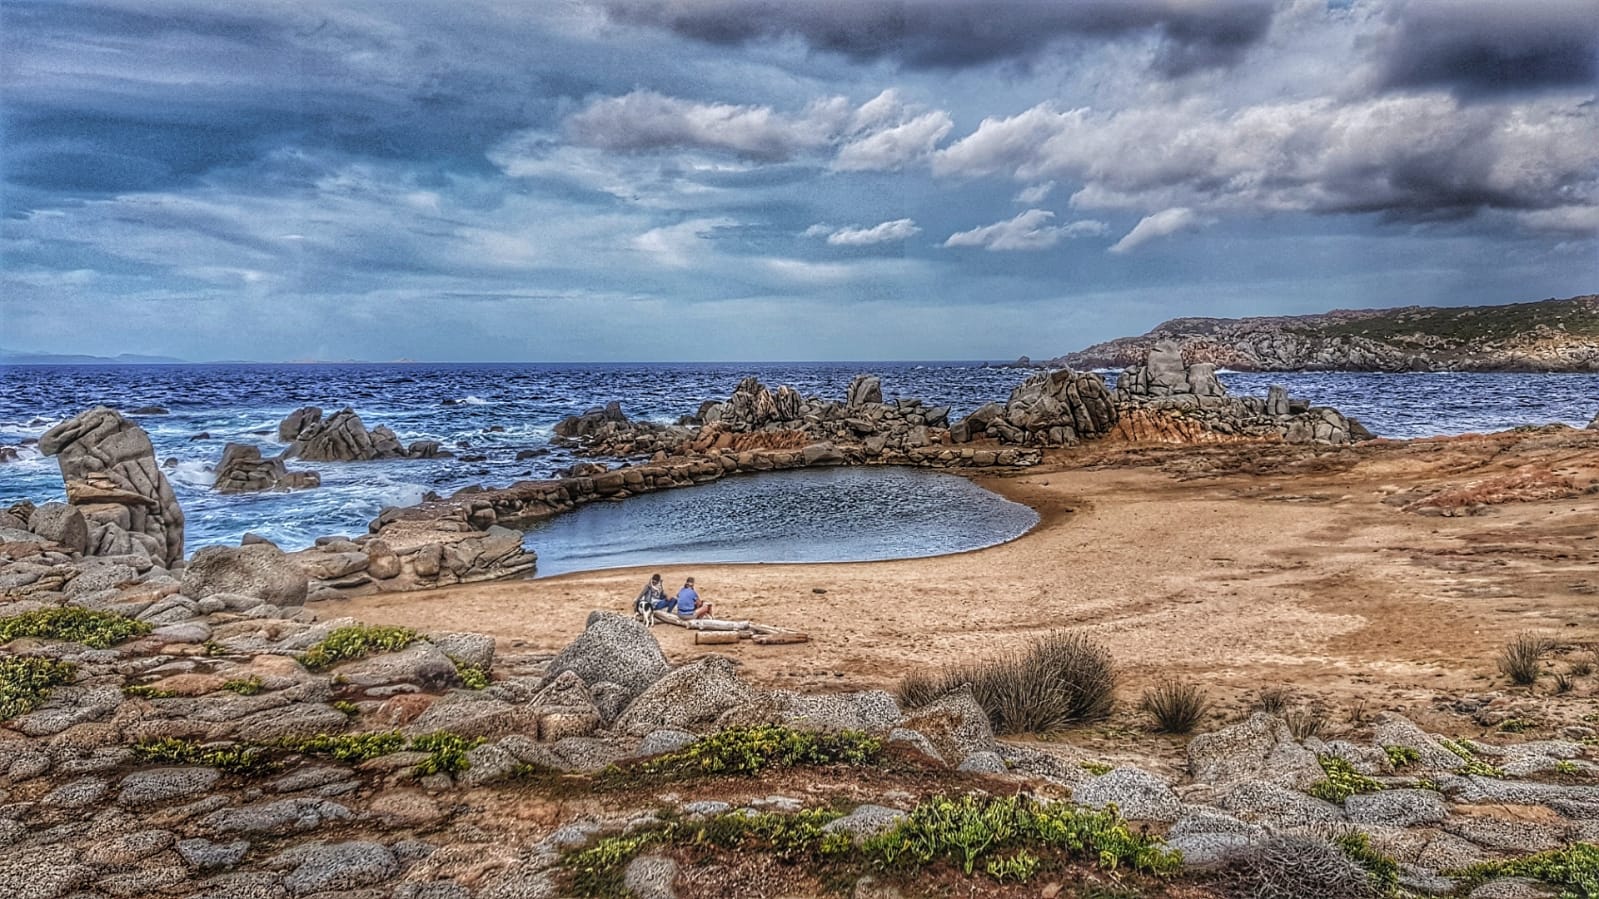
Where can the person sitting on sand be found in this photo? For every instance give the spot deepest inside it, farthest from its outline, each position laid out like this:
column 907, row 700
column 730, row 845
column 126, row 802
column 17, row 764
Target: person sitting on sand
column 688, row 602
column 651, row 598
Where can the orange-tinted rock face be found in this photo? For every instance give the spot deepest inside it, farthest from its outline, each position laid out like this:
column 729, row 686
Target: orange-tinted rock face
column 1155, row 426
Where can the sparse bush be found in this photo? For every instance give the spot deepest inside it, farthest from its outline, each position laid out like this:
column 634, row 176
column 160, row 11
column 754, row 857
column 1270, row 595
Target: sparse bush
column 354, row 642
column 1522, row 658
column 1305, row 723
column 25, row 681
column 1565, row 682
column 1384, row 871
column 1275, row 700
column 96, row 630
column 1175, row 707
column 1061, row 678
column 1294, row 867
column 1582, row 666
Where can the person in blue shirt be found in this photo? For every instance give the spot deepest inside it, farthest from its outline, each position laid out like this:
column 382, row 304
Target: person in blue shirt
column 688, row 602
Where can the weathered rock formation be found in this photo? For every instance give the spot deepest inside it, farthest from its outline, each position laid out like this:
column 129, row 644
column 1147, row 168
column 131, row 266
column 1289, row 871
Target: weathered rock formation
column 343, row 437
column 414, row 553
column 1166, row 400
column 1594, row 425
column 1057, row 408
column 112, row 477
column 242, row 470
column 1550, row 335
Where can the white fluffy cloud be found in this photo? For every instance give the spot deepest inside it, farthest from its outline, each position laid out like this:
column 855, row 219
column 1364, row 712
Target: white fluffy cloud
column 1030, row 230
column 857, row 236
column 1411, row 156
column 1161, row 224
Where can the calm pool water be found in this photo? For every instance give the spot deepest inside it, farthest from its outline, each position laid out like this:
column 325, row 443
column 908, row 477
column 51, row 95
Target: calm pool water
column 818, row 515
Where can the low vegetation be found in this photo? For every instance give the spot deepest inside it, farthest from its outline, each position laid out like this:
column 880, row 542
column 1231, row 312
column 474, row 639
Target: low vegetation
column 96, row 630
column 26, row 681
column 356, row 641
column 1175, row 707
column 244, row 686
column 1061, row 678
column 146, row 691
column 1401, row 756
column 472, row 677
column 1342, row 782
column 1010, row 839
column 234, row 758
column 1522, row 658
column 446, row 751
column 1573, row 869
column 749, row 750
column 1473, row 764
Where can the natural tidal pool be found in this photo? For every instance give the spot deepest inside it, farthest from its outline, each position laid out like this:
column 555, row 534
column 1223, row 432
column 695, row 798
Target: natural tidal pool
column 817, row 515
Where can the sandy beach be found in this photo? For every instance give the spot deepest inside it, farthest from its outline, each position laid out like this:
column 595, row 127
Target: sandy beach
column 1238, row 567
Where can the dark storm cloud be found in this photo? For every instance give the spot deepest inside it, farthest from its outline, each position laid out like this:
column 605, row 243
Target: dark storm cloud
column 106, row 97
column 954, row 34
column 1492, row 46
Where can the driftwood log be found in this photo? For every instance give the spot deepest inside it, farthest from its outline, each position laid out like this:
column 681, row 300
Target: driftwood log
column 762, row 634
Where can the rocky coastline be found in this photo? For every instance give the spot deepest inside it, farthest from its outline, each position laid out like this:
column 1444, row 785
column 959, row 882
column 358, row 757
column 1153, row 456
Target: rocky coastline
column 192, row 728
column 1545, row 336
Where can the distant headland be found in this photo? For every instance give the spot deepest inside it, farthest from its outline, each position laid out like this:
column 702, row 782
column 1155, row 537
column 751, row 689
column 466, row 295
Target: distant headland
column 1545, row 336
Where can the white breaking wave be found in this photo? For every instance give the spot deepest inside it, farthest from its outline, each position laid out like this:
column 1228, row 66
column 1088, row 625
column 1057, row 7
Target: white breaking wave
column 476, row 401
column 192, row 474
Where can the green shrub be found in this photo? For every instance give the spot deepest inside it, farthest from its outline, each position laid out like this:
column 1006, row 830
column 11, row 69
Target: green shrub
column 234, row 758
column 747, row 750
column 352, row 748
column 472, row 677
column 970, row 829
column 1342, row 782
column 244, row 686
column 1522, row 658
column 1096, row 768
column 354, row 642
column 349, row 708
column 96, row 630
column 1384, row 870
column 1174, row 707
column 1401, row 756
column 999, row 836
column 447, row 752
column 146, row 691
column 1474, row 765
column 25, row 681
column 1574, row 869
column 1061, row 678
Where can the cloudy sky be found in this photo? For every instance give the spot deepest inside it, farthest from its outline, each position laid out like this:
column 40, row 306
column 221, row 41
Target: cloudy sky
column 775, row 179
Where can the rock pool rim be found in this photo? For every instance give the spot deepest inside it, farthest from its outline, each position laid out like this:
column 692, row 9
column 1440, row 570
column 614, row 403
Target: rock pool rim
column 1047, row 512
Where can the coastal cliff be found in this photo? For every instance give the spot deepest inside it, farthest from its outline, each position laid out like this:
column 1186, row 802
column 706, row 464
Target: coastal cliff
column 1549, row 335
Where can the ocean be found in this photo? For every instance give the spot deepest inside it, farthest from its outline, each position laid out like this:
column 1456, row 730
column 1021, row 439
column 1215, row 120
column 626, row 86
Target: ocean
column 495, row 411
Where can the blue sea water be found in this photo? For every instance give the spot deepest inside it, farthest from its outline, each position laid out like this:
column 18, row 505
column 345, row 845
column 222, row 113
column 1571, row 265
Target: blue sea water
column 459, row 404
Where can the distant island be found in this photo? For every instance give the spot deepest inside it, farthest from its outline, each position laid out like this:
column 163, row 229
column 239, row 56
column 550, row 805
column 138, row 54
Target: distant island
column 1545, row 336
column 19, row 357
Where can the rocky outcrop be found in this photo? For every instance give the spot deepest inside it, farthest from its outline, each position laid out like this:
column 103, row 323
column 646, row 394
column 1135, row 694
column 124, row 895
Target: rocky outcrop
column 242, row 470
column 1594, row 425
column 112, row 477
column 454, row 547
column 1057, row 408
column 1551, row 335
column 259, row 570
column 341, row 437
column 1167, row 400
